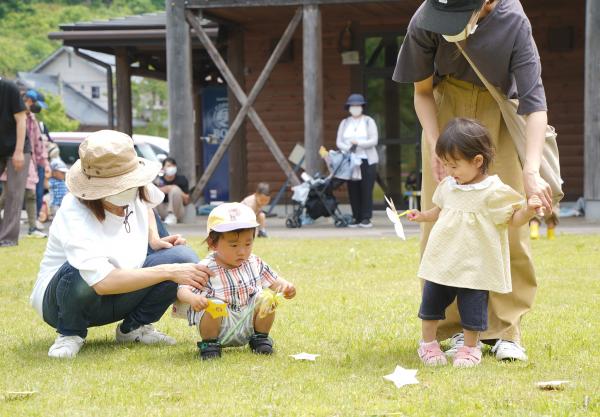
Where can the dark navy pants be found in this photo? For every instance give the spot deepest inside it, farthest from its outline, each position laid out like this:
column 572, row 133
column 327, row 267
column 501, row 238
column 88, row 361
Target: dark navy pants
column 71, row 305
column 472, row 305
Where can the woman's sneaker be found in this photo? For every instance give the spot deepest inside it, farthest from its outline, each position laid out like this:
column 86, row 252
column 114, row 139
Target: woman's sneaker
column 506, row 350
column 467, row 357
column 36, row 233
column 365, row 223
column 66, row 346
column 209, row 350
column 261, row 344
column 353, row 223
column 431, row 354
column 146, row 335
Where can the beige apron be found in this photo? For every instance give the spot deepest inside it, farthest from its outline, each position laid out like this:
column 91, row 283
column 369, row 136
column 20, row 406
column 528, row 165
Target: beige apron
column 456, row 98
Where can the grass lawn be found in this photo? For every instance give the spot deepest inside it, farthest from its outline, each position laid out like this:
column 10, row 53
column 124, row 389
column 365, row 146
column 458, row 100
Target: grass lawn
column 356, row 306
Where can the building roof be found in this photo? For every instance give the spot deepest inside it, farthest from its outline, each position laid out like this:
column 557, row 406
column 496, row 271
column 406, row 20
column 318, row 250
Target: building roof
column 106, row 58
column 77, row 106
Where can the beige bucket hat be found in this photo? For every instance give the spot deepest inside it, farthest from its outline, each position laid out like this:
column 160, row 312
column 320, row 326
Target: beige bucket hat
column 108, row 165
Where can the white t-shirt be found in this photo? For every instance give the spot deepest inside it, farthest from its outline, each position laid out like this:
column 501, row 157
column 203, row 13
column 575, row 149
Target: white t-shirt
column 356, row 128
column 94, row 248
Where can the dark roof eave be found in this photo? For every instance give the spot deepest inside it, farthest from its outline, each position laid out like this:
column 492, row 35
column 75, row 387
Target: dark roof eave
column 116, row 35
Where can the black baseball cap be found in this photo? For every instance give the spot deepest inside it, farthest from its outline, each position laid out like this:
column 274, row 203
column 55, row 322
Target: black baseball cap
column 447, row 17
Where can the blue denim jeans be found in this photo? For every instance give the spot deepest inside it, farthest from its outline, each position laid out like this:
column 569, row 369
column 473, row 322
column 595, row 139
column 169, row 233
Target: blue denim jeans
column 472, row 305
column 39, row 189
column 71, row 305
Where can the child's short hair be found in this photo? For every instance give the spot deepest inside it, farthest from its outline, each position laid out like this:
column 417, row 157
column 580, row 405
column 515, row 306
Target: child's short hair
column 263, row 188
column 213, row 236
column 465, row 139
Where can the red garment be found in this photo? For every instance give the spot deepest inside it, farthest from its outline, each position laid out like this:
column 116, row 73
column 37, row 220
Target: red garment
column 39, row 151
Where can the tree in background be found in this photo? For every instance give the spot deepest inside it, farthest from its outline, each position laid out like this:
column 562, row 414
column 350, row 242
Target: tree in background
column 54, row 117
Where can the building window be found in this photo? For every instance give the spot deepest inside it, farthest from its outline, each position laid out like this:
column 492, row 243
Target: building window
column 95, row 92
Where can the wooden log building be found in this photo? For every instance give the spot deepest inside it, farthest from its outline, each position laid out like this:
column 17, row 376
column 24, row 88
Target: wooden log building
column 336, row 47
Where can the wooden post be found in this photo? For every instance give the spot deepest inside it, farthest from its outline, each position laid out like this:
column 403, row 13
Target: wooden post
column 313, row 87
column 123, row 91
column 592, row 111
column 182, row 138
column 238, row 165
column 245, row 101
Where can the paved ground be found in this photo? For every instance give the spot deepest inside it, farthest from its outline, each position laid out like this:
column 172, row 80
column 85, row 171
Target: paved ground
column 324, row 228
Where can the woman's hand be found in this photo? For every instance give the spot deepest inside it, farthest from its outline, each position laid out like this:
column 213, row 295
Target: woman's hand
column 167, row 242
column 534, row 204
column 437, row 168
column 535, row 185
column 194, row 275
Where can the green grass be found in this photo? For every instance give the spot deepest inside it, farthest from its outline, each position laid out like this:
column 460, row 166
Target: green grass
column 356, row 306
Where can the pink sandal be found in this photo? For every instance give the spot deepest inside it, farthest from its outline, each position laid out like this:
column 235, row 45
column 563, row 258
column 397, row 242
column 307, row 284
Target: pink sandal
column 431, row 354
column 467, row 357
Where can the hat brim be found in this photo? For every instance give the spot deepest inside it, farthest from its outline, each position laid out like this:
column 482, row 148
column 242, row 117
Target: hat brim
column 444, row 22
column 222, row 228
column 95, row 188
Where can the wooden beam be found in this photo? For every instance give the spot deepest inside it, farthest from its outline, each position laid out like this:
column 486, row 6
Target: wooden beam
column 238, row 164
column 245, row 101
column 182, row 137
column 592, row 114
column 212, row 4
column 313, row 88
column 123, row 76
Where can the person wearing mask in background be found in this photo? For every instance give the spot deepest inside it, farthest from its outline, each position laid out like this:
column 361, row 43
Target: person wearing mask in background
column 15, row 155
column 176, row 189
column 358, row 133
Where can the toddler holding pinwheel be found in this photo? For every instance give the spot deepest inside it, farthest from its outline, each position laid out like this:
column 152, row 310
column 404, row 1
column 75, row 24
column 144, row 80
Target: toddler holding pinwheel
column 239, row 311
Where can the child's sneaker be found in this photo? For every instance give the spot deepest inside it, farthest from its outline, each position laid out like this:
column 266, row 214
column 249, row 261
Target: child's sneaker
column 456, row 342
column 467, row 357
column 431, row 354
column 551, row 235
column 262, row 344
column 209, row 350
column 534, row 230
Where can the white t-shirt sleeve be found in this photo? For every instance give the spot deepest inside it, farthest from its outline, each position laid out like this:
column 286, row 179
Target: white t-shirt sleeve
column 154, row 195
column 81, row 247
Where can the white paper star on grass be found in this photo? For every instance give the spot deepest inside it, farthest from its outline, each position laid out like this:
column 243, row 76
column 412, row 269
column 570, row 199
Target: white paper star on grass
column 305, row 356
column 402, row 377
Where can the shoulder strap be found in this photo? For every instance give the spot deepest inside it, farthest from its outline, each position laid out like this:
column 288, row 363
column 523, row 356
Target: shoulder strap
column 493, row 90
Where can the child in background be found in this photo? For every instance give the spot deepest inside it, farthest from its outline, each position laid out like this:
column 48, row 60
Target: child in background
column 551, row 221
column 239, row 277
column 256, row 202
column 467, row 254
column 58, row 188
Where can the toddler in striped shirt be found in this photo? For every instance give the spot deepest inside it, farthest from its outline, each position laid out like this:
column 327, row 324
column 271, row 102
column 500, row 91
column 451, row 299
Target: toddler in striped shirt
column 239, row 277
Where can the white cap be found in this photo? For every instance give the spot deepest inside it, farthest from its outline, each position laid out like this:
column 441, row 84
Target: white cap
column 231, row 216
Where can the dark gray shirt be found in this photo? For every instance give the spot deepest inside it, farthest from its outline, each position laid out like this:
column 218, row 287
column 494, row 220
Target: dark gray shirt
column 502, row 47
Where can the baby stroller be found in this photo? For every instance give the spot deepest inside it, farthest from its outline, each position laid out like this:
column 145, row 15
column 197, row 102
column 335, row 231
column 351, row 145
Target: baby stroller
column 315, row 195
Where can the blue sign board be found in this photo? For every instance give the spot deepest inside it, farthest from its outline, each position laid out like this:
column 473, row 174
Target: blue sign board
column 215, row 123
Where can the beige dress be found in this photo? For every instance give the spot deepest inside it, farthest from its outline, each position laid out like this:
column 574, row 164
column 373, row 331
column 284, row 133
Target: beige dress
column 468, row 245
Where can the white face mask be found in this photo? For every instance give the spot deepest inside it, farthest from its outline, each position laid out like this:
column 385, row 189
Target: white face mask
column 355, row 110
column 466, row 32
column 124, row 198
column 170, row 171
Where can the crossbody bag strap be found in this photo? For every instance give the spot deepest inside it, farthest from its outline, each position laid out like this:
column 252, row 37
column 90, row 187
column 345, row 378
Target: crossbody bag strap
column 493, row 90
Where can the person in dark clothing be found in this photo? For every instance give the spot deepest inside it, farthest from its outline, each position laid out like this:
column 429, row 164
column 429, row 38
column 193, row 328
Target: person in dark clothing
column 176, row 189
column 15, row 154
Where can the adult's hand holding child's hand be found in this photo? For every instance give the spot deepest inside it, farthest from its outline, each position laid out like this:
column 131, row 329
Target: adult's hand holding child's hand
column 534, row 203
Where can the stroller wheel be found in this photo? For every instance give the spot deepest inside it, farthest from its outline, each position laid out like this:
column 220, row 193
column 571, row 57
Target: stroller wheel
column 341, row 222
column 292, row 222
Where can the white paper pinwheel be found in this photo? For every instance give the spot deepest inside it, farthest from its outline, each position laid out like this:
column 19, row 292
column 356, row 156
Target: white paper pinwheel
column 394, row 217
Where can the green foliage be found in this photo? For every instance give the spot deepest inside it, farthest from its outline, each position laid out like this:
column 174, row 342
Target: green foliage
column 147, row 97
column 25, row 25
column 54, row 116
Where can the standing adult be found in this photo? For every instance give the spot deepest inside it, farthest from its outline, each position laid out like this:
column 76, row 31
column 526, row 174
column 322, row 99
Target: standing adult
column 176, row 188
column 15, row 154
column 496, row 35
column 96, row 269
column 358, row 133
